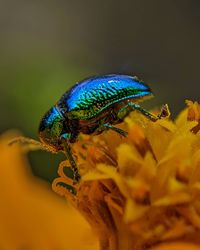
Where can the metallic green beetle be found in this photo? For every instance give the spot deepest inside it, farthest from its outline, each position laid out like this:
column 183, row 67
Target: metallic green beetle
column 90, row 107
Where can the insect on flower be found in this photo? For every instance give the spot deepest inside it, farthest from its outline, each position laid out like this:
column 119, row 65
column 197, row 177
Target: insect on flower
column 90, row 107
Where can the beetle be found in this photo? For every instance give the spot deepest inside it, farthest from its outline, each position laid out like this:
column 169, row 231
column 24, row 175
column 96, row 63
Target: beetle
column 90, row 107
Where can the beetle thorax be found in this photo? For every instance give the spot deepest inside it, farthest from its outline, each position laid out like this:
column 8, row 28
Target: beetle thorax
column 51, row 128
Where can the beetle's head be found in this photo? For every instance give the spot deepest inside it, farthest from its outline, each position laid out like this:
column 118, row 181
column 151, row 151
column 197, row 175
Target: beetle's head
column 51, row 128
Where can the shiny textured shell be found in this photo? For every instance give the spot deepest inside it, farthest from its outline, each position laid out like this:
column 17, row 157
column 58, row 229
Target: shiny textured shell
column 92, row 96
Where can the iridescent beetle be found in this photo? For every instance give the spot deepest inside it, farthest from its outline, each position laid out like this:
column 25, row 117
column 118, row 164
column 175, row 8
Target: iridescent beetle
column 90, row 107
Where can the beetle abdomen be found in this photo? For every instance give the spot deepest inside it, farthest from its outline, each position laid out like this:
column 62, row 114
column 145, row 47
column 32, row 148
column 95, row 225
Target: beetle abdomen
column 92, row 96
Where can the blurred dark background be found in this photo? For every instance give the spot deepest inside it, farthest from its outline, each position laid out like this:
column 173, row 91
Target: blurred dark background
column 46, row 46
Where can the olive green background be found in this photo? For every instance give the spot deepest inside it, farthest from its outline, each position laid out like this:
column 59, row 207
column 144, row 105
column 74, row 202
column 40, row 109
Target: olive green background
column 46, row 46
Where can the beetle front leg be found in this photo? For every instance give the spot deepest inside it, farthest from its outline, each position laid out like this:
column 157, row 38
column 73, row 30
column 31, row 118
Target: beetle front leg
column 131, row 106
column 70, row 157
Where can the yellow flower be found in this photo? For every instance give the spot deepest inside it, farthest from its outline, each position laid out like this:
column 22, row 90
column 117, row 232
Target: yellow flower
column 143, row 190
column 31, row 215
column 139, row 192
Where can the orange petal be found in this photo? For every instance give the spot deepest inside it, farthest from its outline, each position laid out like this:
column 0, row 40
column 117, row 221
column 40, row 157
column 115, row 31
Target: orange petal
column 176, row 246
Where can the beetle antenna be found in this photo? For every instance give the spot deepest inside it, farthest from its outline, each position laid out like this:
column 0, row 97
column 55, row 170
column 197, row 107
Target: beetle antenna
column 29, row 143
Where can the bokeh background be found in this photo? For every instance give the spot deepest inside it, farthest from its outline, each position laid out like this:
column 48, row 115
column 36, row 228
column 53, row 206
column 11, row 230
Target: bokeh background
column 47, row 46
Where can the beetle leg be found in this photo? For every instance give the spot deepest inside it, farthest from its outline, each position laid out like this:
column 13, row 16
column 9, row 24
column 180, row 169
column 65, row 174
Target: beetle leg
column 118, row 130
column 131, row 106
column 70, row 157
